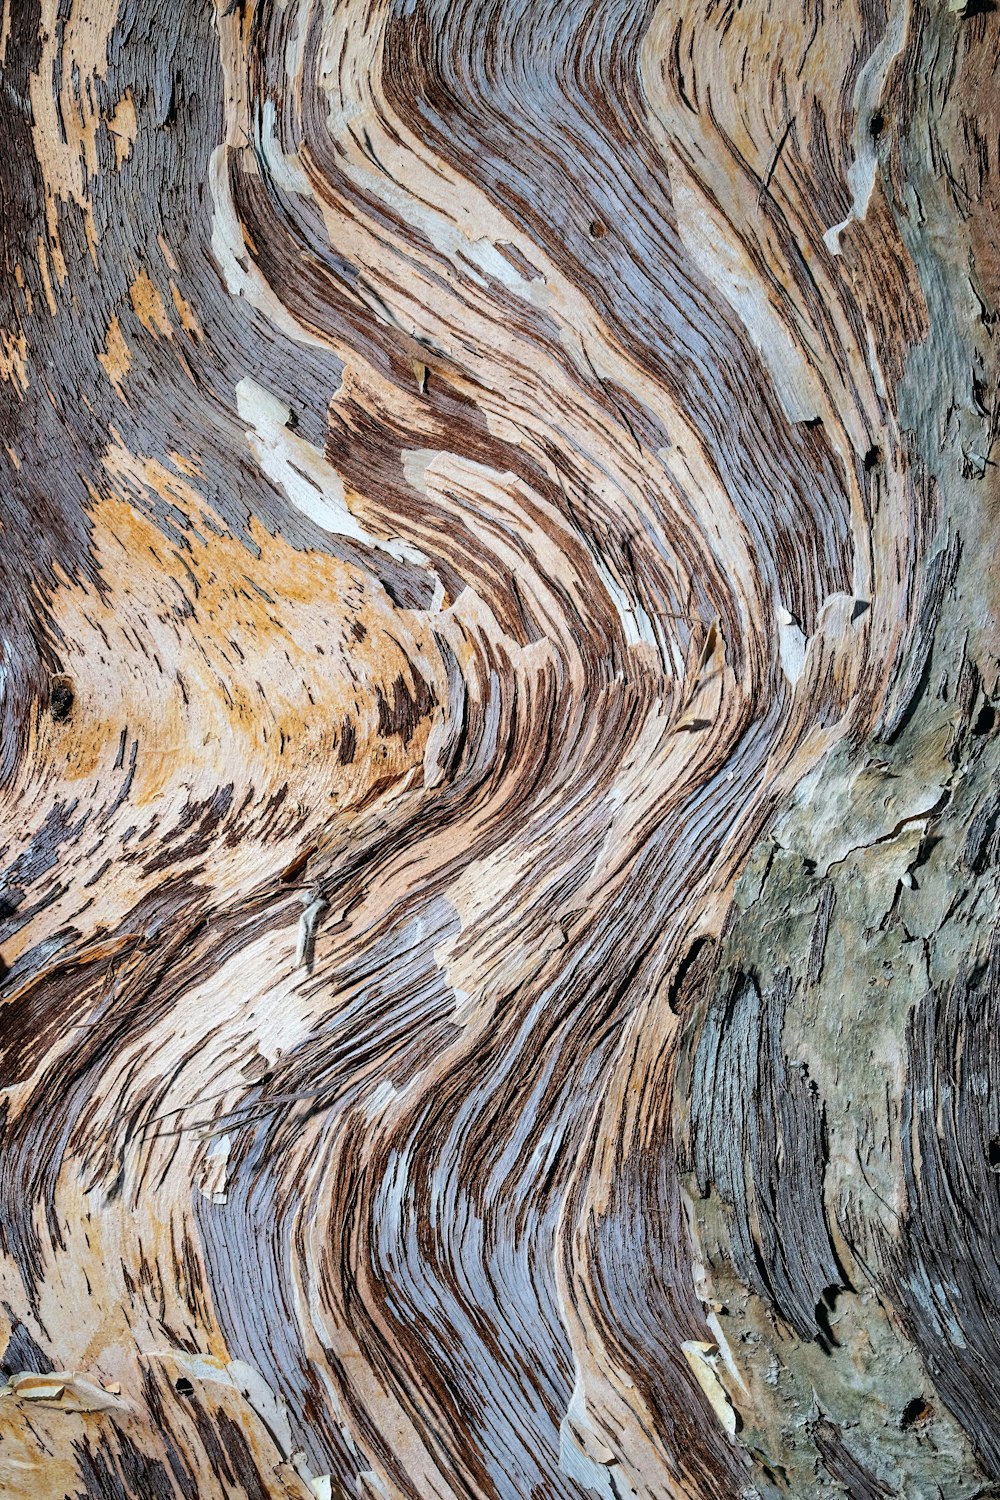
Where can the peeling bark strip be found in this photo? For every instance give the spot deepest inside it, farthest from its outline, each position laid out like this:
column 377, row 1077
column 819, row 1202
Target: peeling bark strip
column 499, row 873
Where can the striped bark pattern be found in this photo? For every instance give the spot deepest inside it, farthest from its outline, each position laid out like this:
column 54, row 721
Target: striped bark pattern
column 498, row 644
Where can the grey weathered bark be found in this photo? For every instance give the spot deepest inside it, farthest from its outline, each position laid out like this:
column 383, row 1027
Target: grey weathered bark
column 500, row 651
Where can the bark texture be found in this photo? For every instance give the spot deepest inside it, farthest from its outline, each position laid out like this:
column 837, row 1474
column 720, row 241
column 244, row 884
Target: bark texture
column 498, row 911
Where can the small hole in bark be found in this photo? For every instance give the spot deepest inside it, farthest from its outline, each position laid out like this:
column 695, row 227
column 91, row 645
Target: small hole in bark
column 812, row 422
column 61, row 699
column 980, row 395
column 914, row 1411
column 876, row 124
column 825, row 1336
column 677, row 990
column 872, row 457
column 985, row 720
column 598, row 230
column 183, row 1387
column 978, row 8
column 774, row 1471
column 993, row 1154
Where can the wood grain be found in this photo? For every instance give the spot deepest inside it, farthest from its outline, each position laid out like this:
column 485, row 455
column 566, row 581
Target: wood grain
column 498, row 875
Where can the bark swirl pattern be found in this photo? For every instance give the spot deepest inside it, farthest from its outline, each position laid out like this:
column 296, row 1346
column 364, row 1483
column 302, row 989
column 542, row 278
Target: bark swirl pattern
column 496, row 531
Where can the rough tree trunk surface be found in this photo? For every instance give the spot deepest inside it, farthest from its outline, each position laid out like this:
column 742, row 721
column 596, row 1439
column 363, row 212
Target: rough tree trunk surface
column 500, row 843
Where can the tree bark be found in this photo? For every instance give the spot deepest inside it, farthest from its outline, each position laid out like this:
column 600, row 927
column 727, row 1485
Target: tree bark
column 499, row 660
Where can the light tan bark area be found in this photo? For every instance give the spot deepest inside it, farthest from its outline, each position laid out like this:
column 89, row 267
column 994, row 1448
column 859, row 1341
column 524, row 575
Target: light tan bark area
column 498, row 650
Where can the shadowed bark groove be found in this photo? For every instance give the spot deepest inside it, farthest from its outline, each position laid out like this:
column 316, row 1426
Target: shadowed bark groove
column 498, row 655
